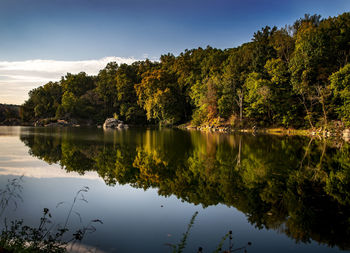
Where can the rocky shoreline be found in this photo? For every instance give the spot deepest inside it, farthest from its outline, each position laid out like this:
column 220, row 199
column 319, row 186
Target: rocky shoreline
column 343, row 133
column 112, row 123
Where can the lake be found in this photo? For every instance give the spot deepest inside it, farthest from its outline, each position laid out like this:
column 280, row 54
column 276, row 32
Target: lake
column 282, row 194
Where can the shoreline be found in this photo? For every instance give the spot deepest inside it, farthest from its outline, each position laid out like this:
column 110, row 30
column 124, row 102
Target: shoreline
column 334, row 133
column 277, row 131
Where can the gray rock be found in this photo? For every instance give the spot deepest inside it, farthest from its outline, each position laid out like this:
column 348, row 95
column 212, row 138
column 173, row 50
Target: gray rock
column 59, row 123
column 114, row 123
column 111, row 123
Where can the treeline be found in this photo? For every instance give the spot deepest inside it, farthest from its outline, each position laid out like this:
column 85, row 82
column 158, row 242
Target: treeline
column 296, row 76
column 9, row 114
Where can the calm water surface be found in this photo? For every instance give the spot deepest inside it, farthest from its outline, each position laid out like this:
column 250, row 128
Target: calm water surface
column 283, row 194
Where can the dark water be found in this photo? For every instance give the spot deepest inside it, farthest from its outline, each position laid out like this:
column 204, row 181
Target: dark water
column 283, row 194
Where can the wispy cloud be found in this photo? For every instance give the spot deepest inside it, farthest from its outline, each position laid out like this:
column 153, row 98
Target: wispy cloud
column 17, row 78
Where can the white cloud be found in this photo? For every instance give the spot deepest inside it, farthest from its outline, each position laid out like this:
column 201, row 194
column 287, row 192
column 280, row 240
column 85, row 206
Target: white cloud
column 17, row 78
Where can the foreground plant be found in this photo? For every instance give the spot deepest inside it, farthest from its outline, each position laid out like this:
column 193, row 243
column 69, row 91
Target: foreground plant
column 179, row 248
column 48, row 237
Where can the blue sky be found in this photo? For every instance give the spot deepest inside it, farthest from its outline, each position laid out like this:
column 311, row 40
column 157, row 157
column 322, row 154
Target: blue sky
column 85, row 29
column 82, row 30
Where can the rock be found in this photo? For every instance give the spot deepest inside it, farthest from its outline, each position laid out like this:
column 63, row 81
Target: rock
column 114, row 123
column 64, row 123
column 59, row 123
column 111, row 123
column 55, row 124
column 38, row 123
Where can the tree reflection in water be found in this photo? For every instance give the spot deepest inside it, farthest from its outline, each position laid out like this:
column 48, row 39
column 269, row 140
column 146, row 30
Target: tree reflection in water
column 295, row 185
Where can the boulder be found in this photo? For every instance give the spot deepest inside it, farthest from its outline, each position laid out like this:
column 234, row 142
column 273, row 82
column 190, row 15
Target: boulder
column 38, row 123
column 114, row 123
column 59, row 123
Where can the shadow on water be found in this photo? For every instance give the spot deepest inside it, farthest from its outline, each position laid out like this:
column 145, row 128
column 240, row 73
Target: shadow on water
column 295, row 185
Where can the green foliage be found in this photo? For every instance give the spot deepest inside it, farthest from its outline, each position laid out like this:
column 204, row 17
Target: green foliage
column 106, row 88
column 77, row 84
column 340, row 85
column 200, row 115
column 158, row 95
column 262, row 48
column 43, row 102
column 9, row 112
column 258, row 98
column 126, row 77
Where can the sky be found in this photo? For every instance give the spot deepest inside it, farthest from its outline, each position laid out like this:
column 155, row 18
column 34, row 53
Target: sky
column 41, row 40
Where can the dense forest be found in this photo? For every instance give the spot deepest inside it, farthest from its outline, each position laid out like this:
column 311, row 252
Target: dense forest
column 9, row 114
column 297, row 76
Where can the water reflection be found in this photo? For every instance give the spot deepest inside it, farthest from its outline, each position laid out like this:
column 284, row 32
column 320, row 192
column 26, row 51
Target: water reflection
column 297, row 186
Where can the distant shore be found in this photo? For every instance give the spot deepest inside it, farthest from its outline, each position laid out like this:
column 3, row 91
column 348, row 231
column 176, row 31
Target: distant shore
column 332, row 132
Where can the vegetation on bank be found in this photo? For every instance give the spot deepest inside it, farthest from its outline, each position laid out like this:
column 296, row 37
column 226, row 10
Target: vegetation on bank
column 292, row 77
column 9, row 114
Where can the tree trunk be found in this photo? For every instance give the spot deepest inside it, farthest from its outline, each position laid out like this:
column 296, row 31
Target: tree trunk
column 307, row 111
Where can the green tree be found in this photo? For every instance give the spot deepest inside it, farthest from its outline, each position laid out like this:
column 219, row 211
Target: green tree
column 126, row 78
column 340, row 85
column 159, row 96
column 258, row 98
column 284, row 103
column 77, row 84
column 262, row 48
column 106, row 88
